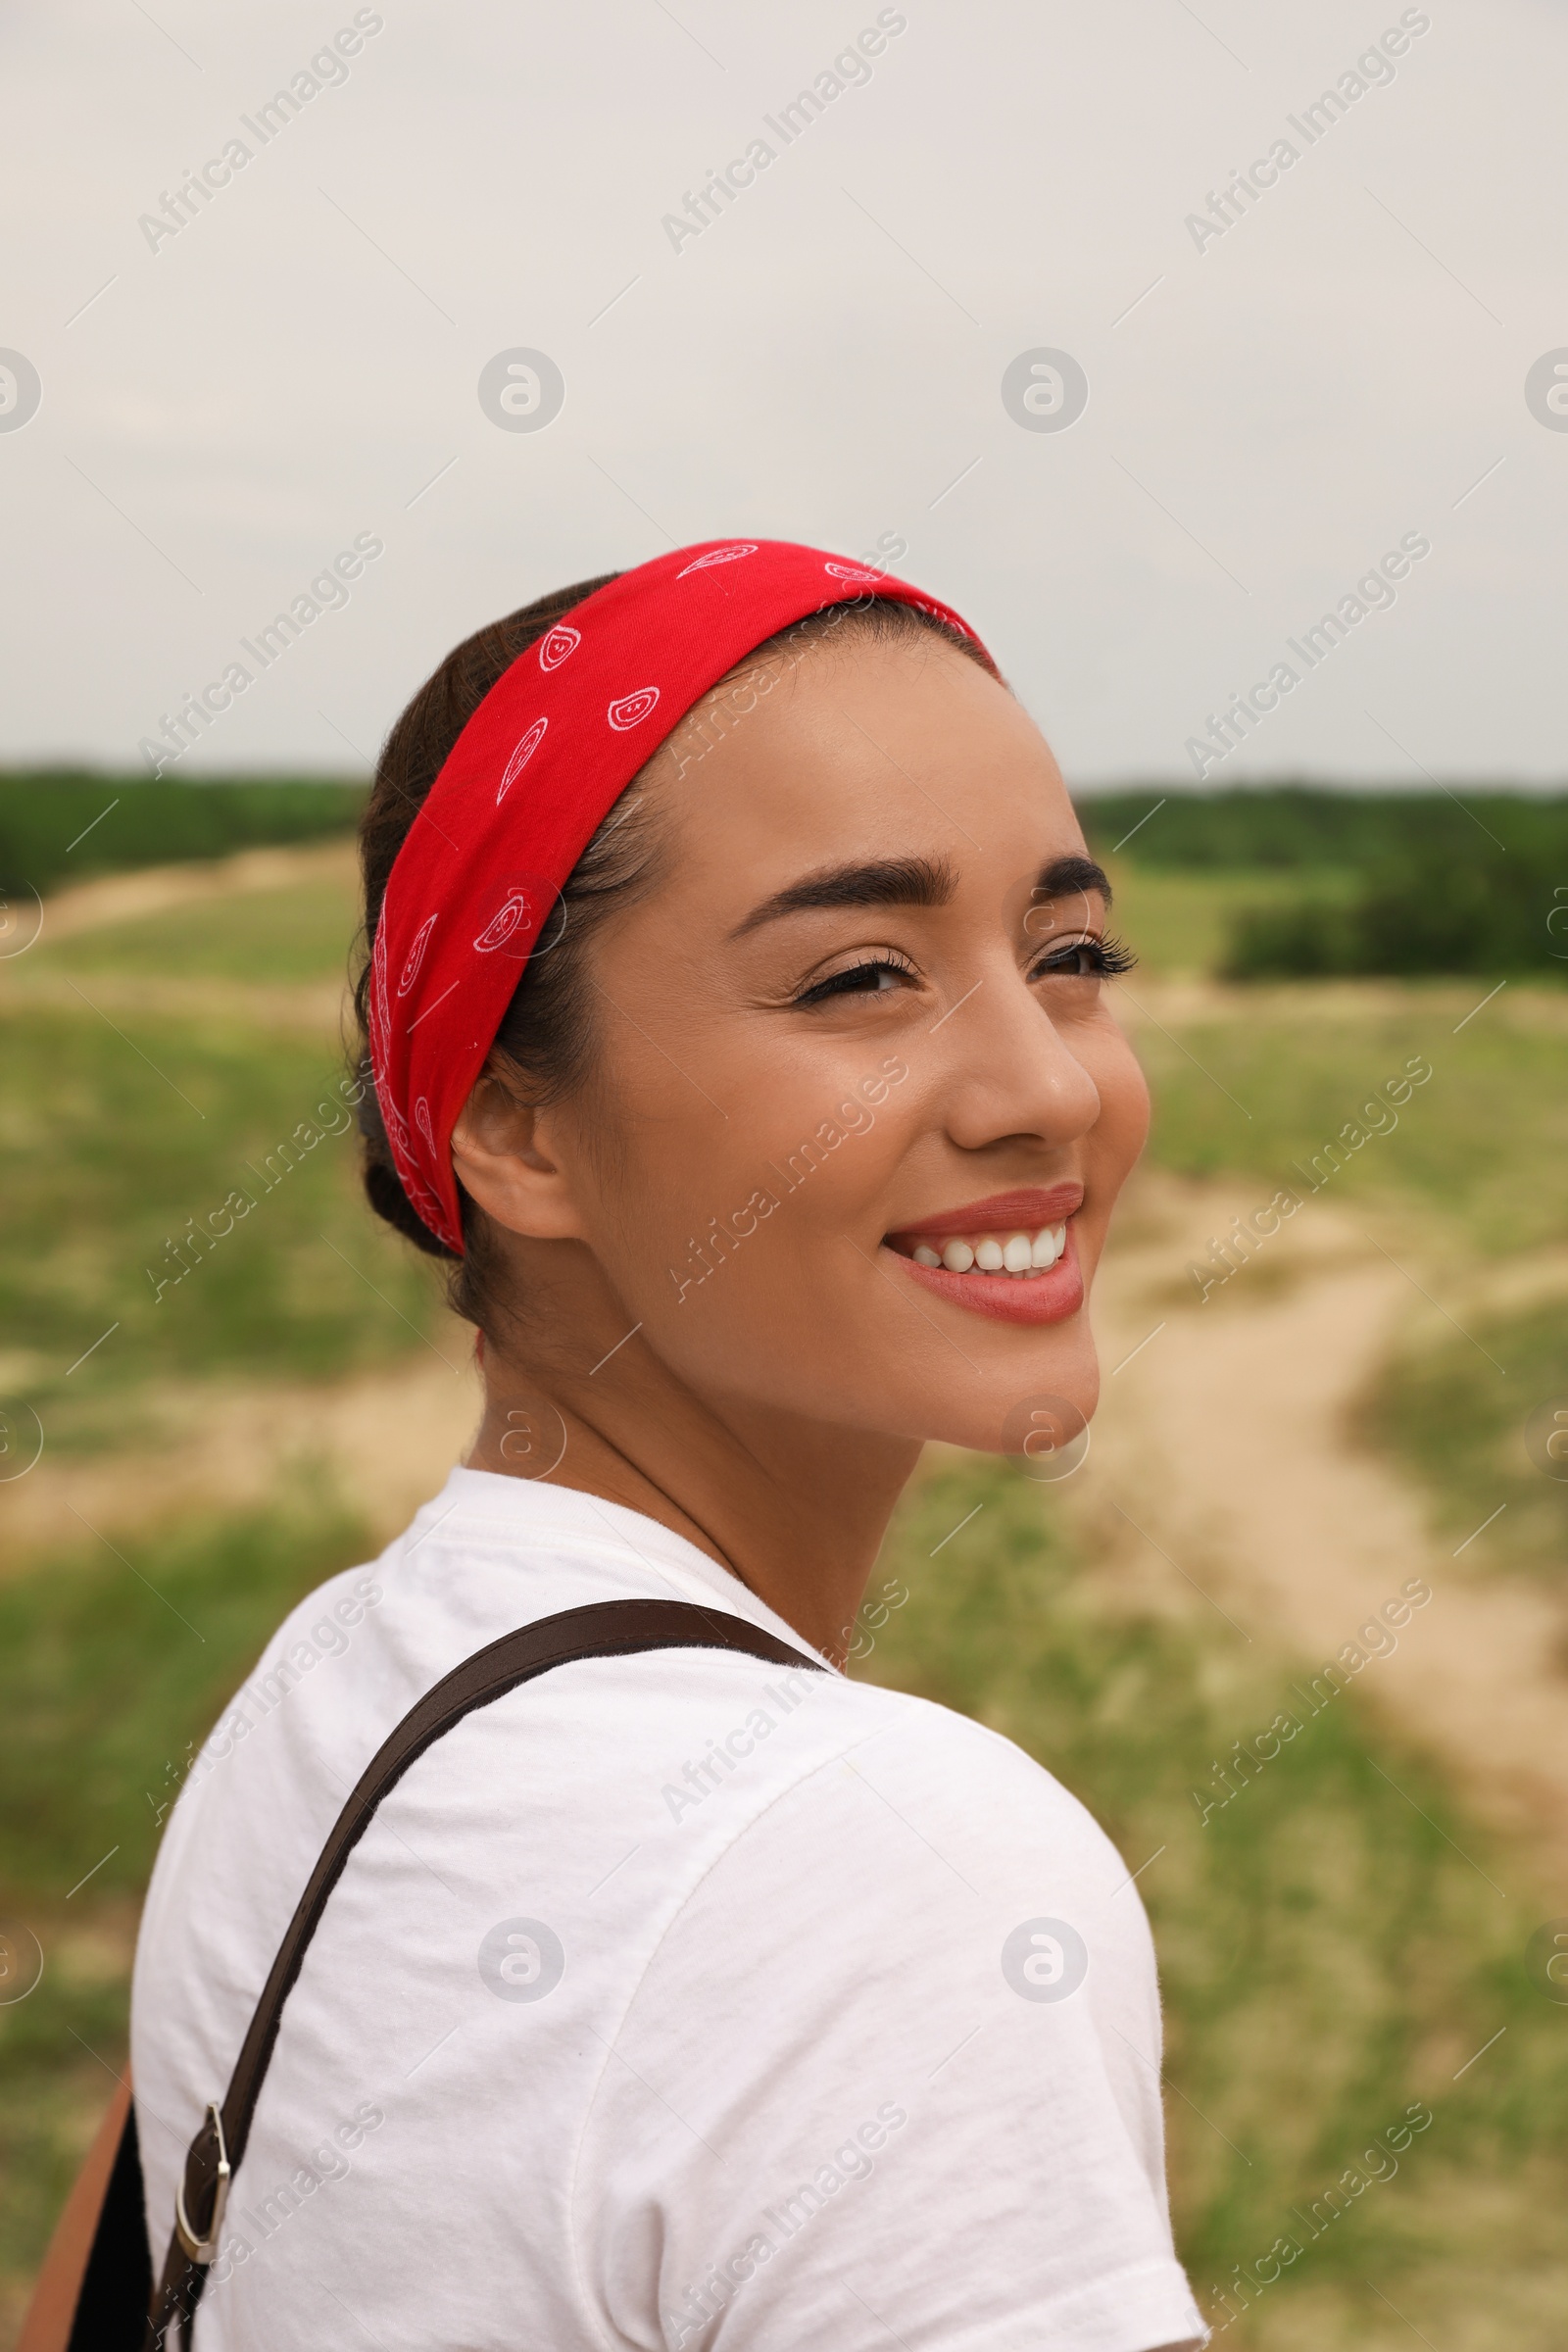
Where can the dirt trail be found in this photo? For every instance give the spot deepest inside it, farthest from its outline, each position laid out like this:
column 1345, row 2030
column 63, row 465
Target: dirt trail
column 314, row 1006
column 1191, row 999
column 150, row 888
column 1225, row 1437
column 318, row 1008
column 386, row 1442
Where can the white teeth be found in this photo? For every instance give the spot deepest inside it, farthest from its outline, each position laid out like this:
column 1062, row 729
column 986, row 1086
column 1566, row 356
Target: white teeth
column 1022, row 1255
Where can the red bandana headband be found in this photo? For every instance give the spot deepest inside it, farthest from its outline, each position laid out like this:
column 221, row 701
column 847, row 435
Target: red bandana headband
column 527, row 784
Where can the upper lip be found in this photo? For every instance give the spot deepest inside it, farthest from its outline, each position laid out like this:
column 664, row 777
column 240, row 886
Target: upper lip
column 1024, row 1210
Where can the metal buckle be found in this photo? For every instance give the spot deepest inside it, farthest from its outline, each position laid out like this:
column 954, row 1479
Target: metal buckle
column 203, row 2250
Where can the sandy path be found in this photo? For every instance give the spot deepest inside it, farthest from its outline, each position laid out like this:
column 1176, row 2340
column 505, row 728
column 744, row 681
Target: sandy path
column 318, row 1007
column 386, row 1442
column 1225, row 1439
column 1189, row 1000
column 150, row 888
column 313, row 1005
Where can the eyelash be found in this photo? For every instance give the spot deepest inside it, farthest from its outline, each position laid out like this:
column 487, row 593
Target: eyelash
column 1108, row 959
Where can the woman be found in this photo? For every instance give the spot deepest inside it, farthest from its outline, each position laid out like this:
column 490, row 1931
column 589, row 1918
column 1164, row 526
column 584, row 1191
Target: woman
column 736, row 1011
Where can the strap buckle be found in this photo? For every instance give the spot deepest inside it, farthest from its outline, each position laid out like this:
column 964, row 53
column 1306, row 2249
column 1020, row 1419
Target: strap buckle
column 209, row 2138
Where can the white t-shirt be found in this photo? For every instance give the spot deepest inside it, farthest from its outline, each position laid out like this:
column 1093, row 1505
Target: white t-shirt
column 669, row 2002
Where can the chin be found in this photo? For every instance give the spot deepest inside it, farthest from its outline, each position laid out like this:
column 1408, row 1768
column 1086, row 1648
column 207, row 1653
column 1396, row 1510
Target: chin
column 1003, row 1410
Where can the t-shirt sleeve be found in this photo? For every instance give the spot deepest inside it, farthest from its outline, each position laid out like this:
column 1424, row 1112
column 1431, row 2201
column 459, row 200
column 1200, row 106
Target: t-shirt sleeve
column 892, row 2077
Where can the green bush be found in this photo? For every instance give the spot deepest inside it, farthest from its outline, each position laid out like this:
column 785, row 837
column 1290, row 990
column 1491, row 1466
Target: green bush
column 1444, row 904
column 1390, row 882
column 1297, row 825
column 45, row 840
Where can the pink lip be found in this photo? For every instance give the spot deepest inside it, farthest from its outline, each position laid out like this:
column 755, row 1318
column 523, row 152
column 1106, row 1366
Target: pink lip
column 1051, row 1297
column 1003, row 1213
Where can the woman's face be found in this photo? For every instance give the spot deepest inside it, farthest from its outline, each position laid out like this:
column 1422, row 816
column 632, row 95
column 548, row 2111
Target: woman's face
column 855, row 1049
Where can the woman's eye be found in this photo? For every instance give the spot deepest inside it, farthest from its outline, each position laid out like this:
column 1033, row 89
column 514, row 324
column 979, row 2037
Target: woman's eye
column 1086, row 959
column 873, row 979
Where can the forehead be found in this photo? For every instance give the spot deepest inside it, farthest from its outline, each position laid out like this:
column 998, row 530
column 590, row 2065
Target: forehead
column 860, row 747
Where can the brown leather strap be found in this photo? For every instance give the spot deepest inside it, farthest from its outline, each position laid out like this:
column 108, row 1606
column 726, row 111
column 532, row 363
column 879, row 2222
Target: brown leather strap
column 604, row 1629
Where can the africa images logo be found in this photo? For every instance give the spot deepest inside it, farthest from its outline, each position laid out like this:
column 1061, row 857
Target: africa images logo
column 521, row 1960
column 521, row 390
column 21, row 391
column 1044, row 1959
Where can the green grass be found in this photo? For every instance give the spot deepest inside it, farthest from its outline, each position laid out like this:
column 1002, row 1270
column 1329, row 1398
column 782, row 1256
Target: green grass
column 112, row 1138
column 111, row 1668
column 112, row 1660
column 267, row 937
column 1448, row 1418
column 117, row 1127
column 1481, row 1144
column 1327, row 1955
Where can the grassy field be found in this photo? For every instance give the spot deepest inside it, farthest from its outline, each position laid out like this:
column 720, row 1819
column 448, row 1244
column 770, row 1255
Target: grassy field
column 121, row 1125
column 1326, row 1954
column 1462, row 1433
column 1331, row 1953
column 112, row 1664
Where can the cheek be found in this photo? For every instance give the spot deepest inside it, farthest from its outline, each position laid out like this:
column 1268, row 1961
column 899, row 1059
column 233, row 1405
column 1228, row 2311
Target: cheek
column 713, row 1230
column 681, row 1172
column 1122, row 1128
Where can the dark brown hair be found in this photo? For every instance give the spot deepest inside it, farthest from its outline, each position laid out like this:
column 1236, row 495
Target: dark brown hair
column 546, row 1035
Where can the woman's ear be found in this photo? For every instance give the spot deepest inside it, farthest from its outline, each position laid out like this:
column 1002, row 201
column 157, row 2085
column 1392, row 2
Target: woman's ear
column 503, row 1149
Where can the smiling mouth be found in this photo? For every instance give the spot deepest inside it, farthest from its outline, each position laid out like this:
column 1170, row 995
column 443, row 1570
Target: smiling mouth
column 1013, row 1257
column 1019, row 1255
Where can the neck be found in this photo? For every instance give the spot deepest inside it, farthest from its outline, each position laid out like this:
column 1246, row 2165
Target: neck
column 796, row 1509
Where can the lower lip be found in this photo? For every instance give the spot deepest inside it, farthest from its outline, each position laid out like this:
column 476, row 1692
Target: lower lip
column 1050, row 1298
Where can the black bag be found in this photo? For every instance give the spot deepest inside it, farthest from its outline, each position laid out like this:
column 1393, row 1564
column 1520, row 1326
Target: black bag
column 94, row 2293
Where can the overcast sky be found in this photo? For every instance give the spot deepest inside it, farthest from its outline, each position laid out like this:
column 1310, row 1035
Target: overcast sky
column 1274, row 402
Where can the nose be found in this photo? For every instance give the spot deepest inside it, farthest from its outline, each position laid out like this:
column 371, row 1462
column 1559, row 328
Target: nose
column 1006, row 1068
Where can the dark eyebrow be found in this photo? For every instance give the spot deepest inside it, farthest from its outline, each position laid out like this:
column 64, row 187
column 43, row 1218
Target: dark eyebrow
column 1066, row 877
column 887, row 882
